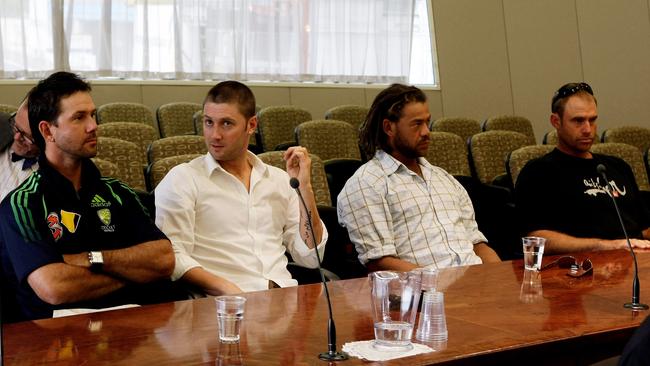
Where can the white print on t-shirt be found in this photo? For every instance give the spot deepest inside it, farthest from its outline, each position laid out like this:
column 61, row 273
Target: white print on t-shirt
column 594, row 187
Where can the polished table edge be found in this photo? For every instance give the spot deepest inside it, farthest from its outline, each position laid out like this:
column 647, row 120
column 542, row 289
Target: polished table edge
column 571, row 346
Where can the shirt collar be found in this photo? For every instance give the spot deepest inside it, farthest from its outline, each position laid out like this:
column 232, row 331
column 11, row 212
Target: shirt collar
column 258, row 165
column 390, row 165
column 559, row 154
column 90, row 175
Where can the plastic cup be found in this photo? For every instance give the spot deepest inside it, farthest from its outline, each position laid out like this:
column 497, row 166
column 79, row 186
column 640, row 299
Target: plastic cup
column 429, row 278
column 432, row 326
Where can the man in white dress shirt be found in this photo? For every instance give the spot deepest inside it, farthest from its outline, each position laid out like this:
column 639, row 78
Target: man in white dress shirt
column 229, row 216
column 18, row 153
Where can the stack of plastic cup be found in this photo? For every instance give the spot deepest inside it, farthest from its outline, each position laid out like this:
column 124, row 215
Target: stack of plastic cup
column 432, row 326
column 429, row 279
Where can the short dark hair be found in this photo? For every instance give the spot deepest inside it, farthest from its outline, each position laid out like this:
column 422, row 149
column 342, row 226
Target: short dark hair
column 233, row 92
column 565, row 92
column 388, row 104
column 44, row 100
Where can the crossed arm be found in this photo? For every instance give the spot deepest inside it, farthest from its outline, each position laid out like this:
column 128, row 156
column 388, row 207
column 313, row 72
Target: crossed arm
column 72, row 280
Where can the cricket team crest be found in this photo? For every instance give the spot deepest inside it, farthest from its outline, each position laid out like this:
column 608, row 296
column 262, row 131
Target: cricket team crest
column 105, row 217
column 54, row 224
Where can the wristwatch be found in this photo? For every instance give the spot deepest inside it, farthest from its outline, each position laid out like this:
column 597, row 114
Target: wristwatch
column 96, row 260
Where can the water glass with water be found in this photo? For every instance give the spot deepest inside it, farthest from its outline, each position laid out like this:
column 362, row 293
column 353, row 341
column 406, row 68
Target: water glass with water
column 533, row 251
column 230, row 313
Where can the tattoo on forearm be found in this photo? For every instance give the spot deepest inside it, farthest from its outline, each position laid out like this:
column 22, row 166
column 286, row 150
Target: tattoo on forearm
column 306, row 231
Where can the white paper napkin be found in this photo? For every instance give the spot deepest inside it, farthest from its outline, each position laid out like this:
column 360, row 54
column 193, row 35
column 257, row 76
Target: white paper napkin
column 366, row 351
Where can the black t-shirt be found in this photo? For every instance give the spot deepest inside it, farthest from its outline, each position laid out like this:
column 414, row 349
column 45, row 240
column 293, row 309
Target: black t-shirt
column 563, row 193
column 45, row 217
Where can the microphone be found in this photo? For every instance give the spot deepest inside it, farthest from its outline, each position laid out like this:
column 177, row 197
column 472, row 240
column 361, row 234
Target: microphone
column 635, row 304
column 331, row 354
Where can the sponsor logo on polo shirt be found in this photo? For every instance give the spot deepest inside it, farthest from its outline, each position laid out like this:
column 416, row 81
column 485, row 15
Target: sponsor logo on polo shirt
column 98, row 201
column 105, row 217
column 54, row 225
column 70, row 220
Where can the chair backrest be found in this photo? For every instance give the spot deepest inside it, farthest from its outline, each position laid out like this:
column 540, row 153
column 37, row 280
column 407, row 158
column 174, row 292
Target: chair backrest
column 318, row 176
column 449, row 152
column 159, row 168
column 122, row 153
column 106, row 168
column 176, row 145
column 550, row 138
column 8, row 108
column 277, row 124
column 329, row 139
column 176, row 118
column 631, row 155
column 631, row 135
column 517, row 159
column 125, row 112
column 197, row 119
column 488, row 152
column 463, row 127
column 511, row 123
column 350, row 113
column 138, row 133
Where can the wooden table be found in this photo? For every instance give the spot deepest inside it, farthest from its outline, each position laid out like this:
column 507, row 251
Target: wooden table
column 492, row 316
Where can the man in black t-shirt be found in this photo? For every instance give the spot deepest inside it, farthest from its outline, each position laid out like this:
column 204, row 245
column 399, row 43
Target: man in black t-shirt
column 71, row 238
column 561, row 196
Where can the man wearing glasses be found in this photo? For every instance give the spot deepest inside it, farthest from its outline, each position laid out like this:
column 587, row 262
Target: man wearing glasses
column 18, row 152
column 561, row 195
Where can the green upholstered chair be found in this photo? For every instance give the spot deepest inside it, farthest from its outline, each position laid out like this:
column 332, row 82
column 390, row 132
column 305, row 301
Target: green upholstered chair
column 176, row 118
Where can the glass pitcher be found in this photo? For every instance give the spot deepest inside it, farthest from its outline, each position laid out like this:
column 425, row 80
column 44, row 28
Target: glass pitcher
column 395, row 297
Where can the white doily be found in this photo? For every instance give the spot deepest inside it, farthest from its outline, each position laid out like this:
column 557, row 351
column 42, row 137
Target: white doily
column 365, row 350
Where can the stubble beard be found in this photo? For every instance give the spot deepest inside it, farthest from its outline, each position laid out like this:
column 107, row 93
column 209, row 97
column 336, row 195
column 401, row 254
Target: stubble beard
column 406, row 150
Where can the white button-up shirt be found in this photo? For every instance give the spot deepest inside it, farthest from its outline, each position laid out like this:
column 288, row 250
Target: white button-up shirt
column 214, row 223
column 391, row 211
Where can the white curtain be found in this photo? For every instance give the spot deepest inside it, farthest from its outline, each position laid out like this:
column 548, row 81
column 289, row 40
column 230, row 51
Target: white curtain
column 366, row 41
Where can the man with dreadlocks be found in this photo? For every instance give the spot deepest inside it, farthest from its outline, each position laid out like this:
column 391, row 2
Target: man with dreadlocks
column 400, row 211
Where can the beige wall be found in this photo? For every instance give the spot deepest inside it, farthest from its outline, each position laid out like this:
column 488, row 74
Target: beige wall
column 509, row 56
column 495, row 57
column 315, row 98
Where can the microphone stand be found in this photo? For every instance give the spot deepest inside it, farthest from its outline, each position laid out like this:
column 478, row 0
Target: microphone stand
column 331, row 354
column 635, row 304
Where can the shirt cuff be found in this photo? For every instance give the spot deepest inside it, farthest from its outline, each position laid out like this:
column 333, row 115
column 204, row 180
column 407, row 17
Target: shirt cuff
column 183, row 264
column 304, row 255
column 479, row 238
column 385, row 250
